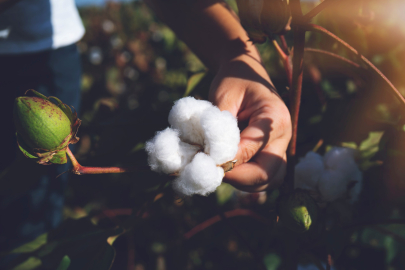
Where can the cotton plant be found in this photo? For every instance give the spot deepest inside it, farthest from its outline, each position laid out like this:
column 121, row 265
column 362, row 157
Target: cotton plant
column 333, row 176
column 198, row 147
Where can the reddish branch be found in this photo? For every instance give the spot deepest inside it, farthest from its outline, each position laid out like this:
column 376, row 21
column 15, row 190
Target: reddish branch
column 79, row 169
column 307, row 17
column 313, row 27
column 233, row 213
column 286, row 61
column 336, row 56
column 298, row 56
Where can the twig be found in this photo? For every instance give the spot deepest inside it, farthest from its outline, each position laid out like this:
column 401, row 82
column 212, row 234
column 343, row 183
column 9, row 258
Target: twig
column 334, row 55
column 286, row 61
column 284, row 45
column 298, row 55
column 313, row 27
column 79, row 169
column 329, row 262
column 307, row 17
column 233, row 213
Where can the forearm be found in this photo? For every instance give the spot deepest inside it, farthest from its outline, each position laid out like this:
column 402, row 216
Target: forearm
column 208, row 28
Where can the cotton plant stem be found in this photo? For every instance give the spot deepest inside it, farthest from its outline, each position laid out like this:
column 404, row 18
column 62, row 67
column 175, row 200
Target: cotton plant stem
column 80, row 170
column 284, row 44
column 233, row 213
column 286, row 61
column 317, row 28
column 297, row 74
column 316, row 10
column 329, row 262
column 336, row 56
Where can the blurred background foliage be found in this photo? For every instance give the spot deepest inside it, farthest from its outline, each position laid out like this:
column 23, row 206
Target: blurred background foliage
column 134, row 68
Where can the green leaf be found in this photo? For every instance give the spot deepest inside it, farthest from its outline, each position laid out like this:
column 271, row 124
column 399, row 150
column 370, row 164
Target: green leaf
column 64, row 264
column 59, row 157
column 37, row 94
column 30, row 263
column 193, row 82
column 370, row 145
column 23, row 146
column 82, row 242
column 33, row 245
column 272, row 261
column 224, row 193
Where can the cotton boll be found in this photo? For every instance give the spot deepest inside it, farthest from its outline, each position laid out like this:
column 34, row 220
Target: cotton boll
column 201, row 176
column 185, row 116
column 356, row 178
column 340, row 158
column 308, row 171
column 167, row 153
column 221, row 134
column 332, row 185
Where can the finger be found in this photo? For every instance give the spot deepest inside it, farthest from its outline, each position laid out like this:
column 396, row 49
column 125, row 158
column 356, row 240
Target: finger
column 265, row 171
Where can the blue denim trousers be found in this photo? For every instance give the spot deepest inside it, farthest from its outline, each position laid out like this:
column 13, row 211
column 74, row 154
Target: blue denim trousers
column 53, row 73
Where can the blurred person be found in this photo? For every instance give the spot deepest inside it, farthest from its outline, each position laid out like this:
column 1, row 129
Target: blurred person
column 37, row 51
column 241, row 86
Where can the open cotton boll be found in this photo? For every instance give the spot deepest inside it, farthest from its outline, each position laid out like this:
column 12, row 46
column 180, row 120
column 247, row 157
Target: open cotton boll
column 332, row 185
column 201, row 176
column 354, row 192
column 308, row 171
column 185, row 116
column 355, row 177
column 340, row 158
column 221, row 134
column 167, row 153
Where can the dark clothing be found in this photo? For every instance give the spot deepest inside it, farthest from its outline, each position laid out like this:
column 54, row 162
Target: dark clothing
column 53, row 73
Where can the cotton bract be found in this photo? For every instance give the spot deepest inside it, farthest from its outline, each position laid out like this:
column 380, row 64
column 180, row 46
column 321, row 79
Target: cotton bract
column 201, row 138
column 334, row 176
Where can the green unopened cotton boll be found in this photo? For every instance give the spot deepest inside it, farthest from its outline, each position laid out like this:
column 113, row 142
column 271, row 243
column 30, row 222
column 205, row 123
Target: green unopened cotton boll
column 44, row 128
column 263, row 18
column 298, row 211
column 40, row 123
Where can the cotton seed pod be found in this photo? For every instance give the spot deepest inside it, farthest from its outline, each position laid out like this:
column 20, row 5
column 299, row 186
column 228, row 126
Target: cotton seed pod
column 298, row 211
column 275, row 17
column 44, row 129
column 263, row 18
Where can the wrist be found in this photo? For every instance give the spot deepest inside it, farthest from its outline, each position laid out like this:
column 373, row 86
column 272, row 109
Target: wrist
column 238, row 50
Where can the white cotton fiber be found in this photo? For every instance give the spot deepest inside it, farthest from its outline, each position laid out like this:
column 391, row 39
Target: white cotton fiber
column 167, row 153
column 201, row 176
column 221, row 134
column 332, row 185
column 308, row 171
column 340, row 158
column 185, row 116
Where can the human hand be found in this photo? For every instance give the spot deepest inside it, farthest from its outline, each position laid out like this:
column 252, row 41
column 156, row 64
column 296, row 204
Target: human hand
column 243, row 87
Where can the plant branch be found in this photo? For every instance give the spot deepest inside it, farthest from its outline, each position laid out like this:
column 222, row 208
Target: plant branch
column 307, row 17
column 79, row 169
column 313, row 27
column 297, row 74
column 286, row 61
column 284, row 44
column 233, row 213
column 334, row 55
